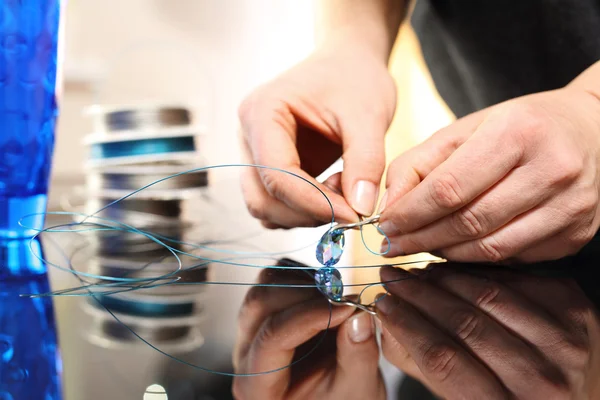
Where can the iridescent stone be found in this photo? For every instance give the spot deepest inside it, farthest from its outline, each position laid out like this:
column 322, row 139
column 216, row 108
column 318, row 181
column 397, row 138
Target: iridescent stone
column 331, row 247
column 329, row 282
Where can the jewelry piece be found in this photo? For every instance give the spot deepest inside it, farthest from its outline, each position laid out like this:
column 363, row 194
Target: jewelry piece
column 329, row 282
column 329, row 251
column 331, row 246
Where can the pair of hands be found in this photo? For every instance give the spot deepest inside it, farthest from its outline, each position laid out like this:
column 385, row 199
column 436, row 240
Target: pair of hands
column 518, row 180
column 466, row 333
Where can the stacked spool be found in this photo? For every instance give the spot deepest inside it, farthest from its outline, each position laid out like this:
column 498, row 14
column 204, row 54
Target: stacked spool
column 129, row 149
column 134, row 147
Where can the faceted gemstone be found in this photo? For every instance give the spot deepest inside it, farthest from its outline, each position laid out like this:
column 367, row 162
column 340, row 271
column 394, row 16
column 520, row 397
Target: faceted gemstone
column 330, row 247
column 329, row 282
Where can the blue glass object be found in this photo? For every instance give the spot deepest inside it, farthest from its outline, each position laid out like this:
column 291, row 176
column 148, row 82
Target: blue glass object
column 28, row 110
column 329, row 282
column 30, row 366
column 331, row 247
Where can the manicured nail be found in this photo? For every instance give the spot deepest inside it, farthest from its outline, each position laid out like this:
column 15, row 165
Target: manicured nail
column 361, row 327
column 390, row 249
column 383, row 203
column 386, row 305
column 389, row 228
column 364, row 196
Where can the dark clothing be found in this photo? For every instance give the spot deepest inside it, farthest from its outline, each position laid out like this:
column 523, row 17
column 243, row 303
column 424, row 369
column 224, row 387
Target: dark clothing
column 482, row 52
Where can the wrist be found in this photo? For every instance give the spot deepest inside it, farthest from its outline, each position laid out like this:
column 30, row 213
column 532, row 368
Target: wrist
column 589, row 80
column 370, row 26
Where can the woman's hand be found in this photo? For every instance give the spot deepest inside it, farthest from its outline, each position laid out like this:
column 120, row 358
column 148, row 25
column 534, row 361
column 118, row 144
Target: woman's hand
column 474, row 334
column 519, row 180
column 278, row 325
column 338, row 102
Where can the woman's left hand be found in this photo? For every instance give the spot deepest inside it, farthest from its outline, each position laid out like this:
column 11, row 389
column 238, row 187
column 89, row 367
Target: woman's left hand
column 519, row 180
column 478, row 334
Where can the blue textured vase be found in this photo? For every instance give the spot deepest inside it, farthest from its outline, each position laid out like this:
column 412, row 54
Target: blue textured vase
column 29, row 31
column 30, row 366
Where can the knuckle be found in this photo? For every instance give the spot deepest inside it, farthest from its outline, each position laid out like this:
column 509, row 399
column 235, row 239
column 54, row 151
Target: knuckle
column 468, row 326
column 567, row 168
column 531, row 123
column 266, row 334
column 467, row 223
column 491, row 250
column 257, row 207
column 257, row 100
column 247, row 107
column 584, row 206
column 487, row 300
column 575, row 353
column 446, row 192
column 272, row 183
column 438, row 362
column 580, row 238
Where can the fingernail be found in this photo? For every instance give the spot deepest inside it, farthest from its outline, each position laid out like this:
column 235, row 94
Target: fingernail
column 361, row 327
column 389, row 228
column 383, row 203
column 385, row 305
column 390, row 249
column 364, row 196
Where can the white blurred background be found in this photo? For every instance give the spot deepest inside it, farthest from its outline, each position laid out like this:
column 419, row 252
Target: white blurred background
column 208, row 53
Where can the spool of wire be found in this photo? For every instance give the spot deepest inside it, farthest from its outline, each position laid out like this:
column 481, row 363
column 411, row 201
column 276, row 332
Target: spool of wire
column 115, row 182
column 115, row 119
column 141, row 147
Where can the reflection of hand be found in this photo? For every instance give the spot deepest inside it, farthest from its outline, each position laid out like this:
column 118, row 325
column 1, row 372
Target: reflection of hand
column 338, row 102
column 277, row 325
column 503, row 336
column 518, row 180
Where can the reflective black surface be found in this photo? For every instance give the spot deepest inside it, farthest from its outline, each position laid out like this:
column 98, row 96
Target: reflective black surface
column 101, row 357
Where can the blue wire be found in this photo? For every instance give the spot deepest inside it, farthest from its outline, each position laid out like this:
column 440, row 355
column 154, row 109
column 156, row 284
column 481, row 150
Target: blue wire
column 113, row 285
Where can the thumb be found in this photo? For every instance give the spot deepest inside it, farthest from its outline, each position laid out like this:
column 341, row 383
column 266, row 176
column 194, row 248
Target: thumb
column 358, row 357
column 364, row 163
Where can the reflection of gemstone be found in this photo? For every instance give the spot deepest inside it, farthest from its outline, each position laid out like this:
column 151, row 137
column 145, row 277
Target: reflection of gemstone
column 330, row 247
column 329, row 282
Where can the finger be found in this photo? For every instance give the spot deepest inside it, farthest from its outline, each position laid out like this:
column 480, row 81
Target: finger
column 516, row 365
column 523, row 232
column 513, row 310
column 364, row 162
column 274, row 345
column 334, row 183
column 264, row 207
column 511, row 197
column 481, row 161
column 262, row 301
column 269, row 130
column 397, row 355
column 448, row 368
column 357, row 371
column 411, row 167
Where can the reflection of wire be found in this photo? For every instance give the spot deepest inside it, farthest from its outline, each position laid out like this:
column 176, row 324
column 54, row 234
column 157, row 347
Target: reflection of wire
column 93, row 285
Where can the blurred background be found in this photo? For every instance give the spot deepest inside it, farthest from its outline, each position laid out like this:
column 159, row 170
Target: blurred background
column 207, row 54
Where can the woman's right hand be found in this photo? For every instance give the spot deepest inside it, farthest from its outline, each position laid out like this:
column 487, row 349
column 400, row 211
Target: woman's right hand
column 338, row 102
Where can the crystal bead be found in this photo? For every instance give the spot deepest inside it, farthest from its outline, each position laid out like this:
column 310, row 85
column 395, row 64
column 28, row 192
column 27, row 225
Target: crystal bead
column 329, row 282
column 330, row 247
